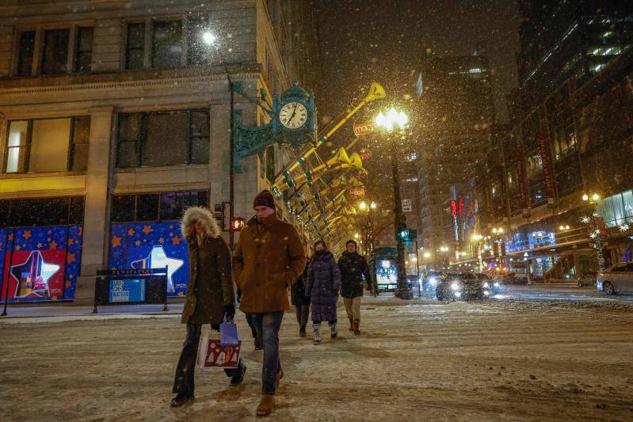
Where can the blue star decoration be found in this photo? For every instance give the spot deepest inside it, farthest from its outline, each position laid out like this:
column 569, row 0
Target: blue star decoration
column 37, row 270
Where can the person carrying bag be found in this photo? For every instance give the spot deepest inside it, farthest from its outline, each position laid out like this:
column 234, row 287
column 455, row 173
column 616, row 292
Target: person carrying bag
column 210, row 296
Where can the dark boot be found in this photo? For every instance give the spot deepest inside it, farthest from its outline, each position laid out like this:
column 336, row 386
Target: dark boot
column 258, row 344
column 357, row 327
column 239, row 376
column 351, row 324
column 302, row 331
column 180, row 400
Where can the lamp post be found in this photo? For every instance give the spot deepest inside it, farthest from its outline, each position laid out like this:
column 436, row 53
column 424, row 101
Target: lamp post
column 368, row 210
column 477, row 238
column 594, row 200
column 389, row 122
column 211, row 40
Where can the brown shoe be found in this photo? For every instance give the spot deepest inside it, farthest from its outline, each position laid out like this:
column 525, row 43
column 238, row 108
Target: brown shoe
column 266, row 405
column 357, row 327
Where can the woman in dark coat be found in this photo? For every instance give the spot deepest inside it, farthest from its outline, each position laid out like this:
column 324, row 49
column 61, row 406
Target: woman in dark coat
column 301, row 302
column 322, row 286
column 210, row 296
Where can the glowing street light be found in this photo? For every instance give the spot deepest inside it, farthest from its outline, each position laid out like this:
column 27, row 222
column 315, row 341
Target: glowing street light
column 362, row 206
column 391, row 119
column 373, row 205
column 476, row 237
column 426, row 255
column 209, row 38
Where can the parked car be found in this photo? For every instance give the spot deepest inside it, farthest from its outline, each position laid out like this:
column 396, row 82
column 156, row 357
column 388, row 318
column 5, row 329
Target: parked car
column 431, row 280
column 617, row 279
column 456, row 286
column 494, row 285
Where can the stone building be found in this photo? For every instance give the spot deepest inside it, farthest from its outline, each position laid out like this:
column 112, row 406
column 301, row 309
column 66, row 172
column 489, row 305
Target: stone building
column 117, row 113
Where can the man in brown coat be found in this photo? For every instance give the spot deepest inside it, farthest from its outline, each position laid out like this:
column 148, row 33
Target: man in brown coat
column 269, row 257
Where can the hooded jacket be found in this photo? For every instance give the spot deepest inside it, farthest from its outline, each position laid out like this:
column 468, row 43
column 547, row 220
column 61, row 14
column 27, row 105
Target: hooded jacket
column 268, row 259
column 354, row 271
column 210, row 286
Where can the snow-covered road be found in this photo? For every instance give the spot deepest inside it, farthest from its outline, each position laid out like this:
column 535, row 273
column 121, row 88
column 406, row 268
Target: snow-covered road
column 479, row 361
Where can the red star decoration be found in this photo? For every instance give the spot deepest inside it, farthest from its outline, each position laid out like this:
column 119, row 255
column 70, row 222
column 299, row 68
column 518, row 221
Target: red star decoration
column 17, row 248
column 71, row 241
column 70, row 258
column 116, row 241
column 11, row 236
column 161, row 241
column 68, row 284
column 175, row 240
column 52, row 245
column 26, row 234
column 147, row 229
column 130, row 232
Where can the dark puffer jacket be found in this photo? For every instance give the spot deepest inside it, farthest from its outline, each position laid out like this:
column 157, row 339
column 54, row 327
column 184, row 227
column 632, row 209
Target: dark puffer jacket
column 353, row 268
column 322, row 286
column 298, row 290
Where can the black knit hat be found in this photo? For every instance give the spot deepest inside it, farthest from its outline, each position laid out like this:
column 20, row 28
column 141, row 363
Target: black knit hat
column 265, row 199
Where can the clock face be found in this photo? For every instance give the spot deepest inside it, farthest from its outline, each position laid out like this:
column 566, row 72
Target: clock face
column 293, row 115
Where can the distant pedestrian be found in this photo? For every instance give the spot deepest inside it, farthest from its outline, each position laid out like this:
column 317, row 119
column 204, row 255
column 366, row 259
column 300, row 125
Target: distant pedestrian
column 210, row 296
column 269, row 257
column 301, row 302
column 354, row 276
column 322, row 286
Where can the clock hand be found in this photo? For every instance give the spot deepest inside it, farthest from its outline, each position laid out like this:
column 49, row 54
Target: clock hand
column 294, row 111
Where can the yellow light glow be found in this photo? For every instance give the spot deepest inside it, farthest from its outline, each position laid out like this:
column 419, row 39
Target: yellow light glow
column 362, row 206
column 427, row 255
column 595, row 197
column 392, row 119
column 585, row 197
column 373, row 205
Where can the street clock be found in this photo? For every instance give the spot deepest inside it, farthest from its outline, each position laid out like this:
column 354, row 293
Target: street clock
column 295, row 118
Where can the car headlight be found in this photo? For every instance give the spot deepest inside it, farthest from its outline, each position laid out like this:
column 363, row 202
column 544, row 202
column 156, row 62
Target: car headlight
column 486, row 285
column 433, row 280
column 497, row 284
column 455, row 286
column 486, row 293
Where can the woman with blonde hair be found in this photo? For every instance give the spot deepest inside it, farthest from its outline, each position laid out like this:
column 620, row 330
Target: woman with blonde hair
column 210, row 296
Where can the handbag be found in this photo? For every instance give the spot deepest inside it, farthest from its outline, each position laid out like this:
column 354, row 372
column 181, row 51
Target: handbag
column 222, row 352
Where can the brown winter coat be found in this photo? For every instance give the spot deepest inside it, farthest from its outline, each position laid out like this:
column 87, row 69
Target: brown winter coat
column 210, row 285
column 269, row 257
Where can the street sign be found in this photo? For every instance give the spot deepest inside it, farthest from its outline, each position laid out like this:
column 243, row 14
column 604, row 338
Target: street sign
column 361, row 129
column 407, row 205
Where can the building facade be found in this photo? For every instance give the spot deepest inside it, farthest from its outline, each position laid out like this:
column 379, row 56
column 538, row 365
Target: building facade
column 456, row 108
column 114, row 118
column 570, row 137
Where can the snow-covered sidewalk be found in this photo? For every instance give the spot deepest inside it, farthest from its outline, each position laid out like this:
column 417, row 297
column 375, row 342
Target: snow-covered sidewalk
column 415, row 361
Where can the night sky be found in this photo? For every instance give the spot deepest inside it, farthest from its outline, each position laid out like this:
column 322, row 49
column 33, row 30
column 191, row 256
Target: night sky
column 384, row 40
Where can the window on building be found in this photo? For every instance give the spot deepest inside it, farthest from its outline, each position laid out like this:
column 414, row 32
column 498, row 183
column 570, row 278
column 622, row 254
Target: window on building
column 167, row 44
column 135, row 51
column 534, row 164
column 47, row 145
column 199, row 136
column 197, row 51
column 55, row 51
column 163, row 138
column 26, row 49
column 80, row 142
column 155, row 206
column 42, row 211
column 17, row 147
column 147, row 207
column 166, row 139
column 123, row 208
column 83, row 50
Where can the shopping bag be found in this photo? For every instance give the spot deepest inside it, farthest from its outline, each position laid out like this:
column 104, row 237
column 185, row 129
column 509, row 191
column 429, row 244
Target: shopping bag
column 214, row 353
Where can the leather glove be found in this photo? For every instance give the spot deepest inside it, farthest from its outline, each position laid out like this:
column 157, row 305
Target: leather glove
column 229, row 312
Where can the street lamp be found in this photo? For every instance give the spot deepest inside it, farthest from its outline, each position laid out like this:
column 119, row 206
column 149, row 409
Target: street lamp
column 477, row 238
column 211, row 40
column 390, row 121
column 368, row 209
column 594, row 200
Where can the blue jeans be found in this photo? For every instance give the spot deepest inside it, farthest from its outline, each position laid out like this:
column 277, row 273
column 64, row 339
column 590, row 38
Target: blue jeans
column 267, row 326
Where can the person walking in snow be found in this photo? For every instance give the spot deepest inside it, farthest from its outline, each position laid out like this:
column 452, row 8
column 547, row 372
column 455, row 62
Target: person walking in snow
column 322, row 286
column 354, row 276
column 268, row 258
column 301, row 302
column 210, row 296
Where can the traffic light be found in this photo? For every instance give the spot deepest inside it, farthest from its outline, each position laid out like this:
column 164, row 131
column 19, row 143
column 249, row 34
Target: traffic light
column 237, row 224
column 408, row 235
